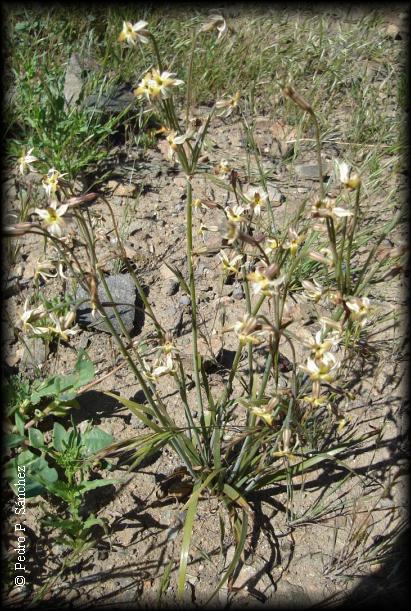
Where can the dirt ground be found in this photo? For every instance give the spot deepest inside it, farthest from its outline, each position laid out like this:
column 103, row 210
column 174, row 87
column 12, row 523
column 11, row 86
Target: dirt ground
column 302, row 564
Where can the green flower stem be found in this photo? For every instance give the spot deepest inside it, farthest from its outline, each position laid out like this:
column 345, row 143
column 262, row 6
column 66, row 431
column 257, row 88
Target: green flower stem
column 156, row 51
column 190, row 77
column 342, row 277
column 250, row 348
column 228, row 389
column 318, row 145
column 92, row 255
column 350, row 240
column 189, row 240
column 333, row 244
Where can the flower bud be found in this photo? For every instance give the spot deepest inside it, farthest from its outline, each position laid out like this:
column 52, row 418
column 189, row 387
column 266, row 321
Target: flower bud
column 297, row 98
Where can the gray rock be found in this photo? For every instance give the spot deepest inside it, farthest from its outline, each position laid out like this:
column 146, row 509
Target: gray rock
column 184, row 300
column 123, row 292
column 171, row 287
column 238, row 292
column 310, row 171
column 35, row 354
column 113, row 103
column 73, row 81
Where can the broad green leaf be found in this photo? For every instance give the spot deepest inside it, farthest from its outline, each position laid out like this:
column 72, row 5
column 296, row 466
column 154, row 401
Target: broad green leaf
column 94, row 440
column 36, row 438
column 18, row 419
column 96, row 483
column 60, row 437
column 12, row 440
column 36, row 471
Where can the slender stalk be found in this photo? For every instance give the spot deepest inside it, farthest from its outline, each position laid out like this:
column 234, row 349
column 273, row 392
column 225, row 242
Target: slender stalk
column 351, row 238
column 190, row 77
column 156, row 51
column 189, row 244
column 250, row 348
column 318, row 146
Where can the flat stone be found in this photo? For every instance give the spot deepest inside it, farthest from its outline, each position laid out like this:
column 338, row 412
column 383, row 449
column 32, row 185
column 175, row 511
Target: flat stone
column 310, row 171
column 123, row 292
column 171, row 287
column 115, row 102
column 73, row 81
column 34, row 354
column 238, row 292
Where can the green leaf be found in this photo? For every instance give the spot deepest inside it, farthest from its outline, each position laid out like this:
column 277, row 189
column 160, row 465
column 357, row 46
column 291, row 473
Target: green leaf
column 94, row 440
column 96, row 483
column 84, row 368
column 241, row 527
column 93, row 521
column 236, row 497
column 12, row 440
column 60, row 437
column 36, row 438
column 185, row 546
column 37, row 475
column 19, row 423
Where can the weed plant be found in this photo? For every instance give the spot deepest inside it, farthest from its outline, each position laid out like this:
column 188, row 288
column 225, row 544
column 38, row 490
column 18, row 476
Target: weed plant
column 256, row 431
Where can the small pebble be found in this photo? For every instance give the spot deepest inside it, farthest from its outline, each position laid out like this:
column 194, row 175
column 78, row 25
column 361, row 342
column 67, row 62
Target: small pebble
column 184, row 300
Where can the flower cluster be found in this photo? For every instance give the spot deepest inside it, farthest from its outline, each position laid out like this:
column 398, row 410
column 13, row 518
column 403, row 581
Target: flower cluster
column 156, row 85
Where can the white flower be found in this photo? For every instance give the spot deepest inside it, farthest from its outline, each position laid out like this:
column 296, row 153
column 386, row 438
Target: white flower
column 323, row 369
column 313, row 290
column 256, row 199
column 235, row 214
column 359, row 308
column 346, row 176
column 325, row 208
column 174, row 140
column 161, row 367
column 271, row 244
column 223, row 168
column 262, row 282
column 63, row 324
column 293, row 242
column 25, row 160
column 30, row 316
column 52, row 218
column 320, row 346
column 130, row 33
column 156, row 85
column 51, row 181
column 228, row 104
column 230, row 265
column 215, row 22
column 248, row 330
